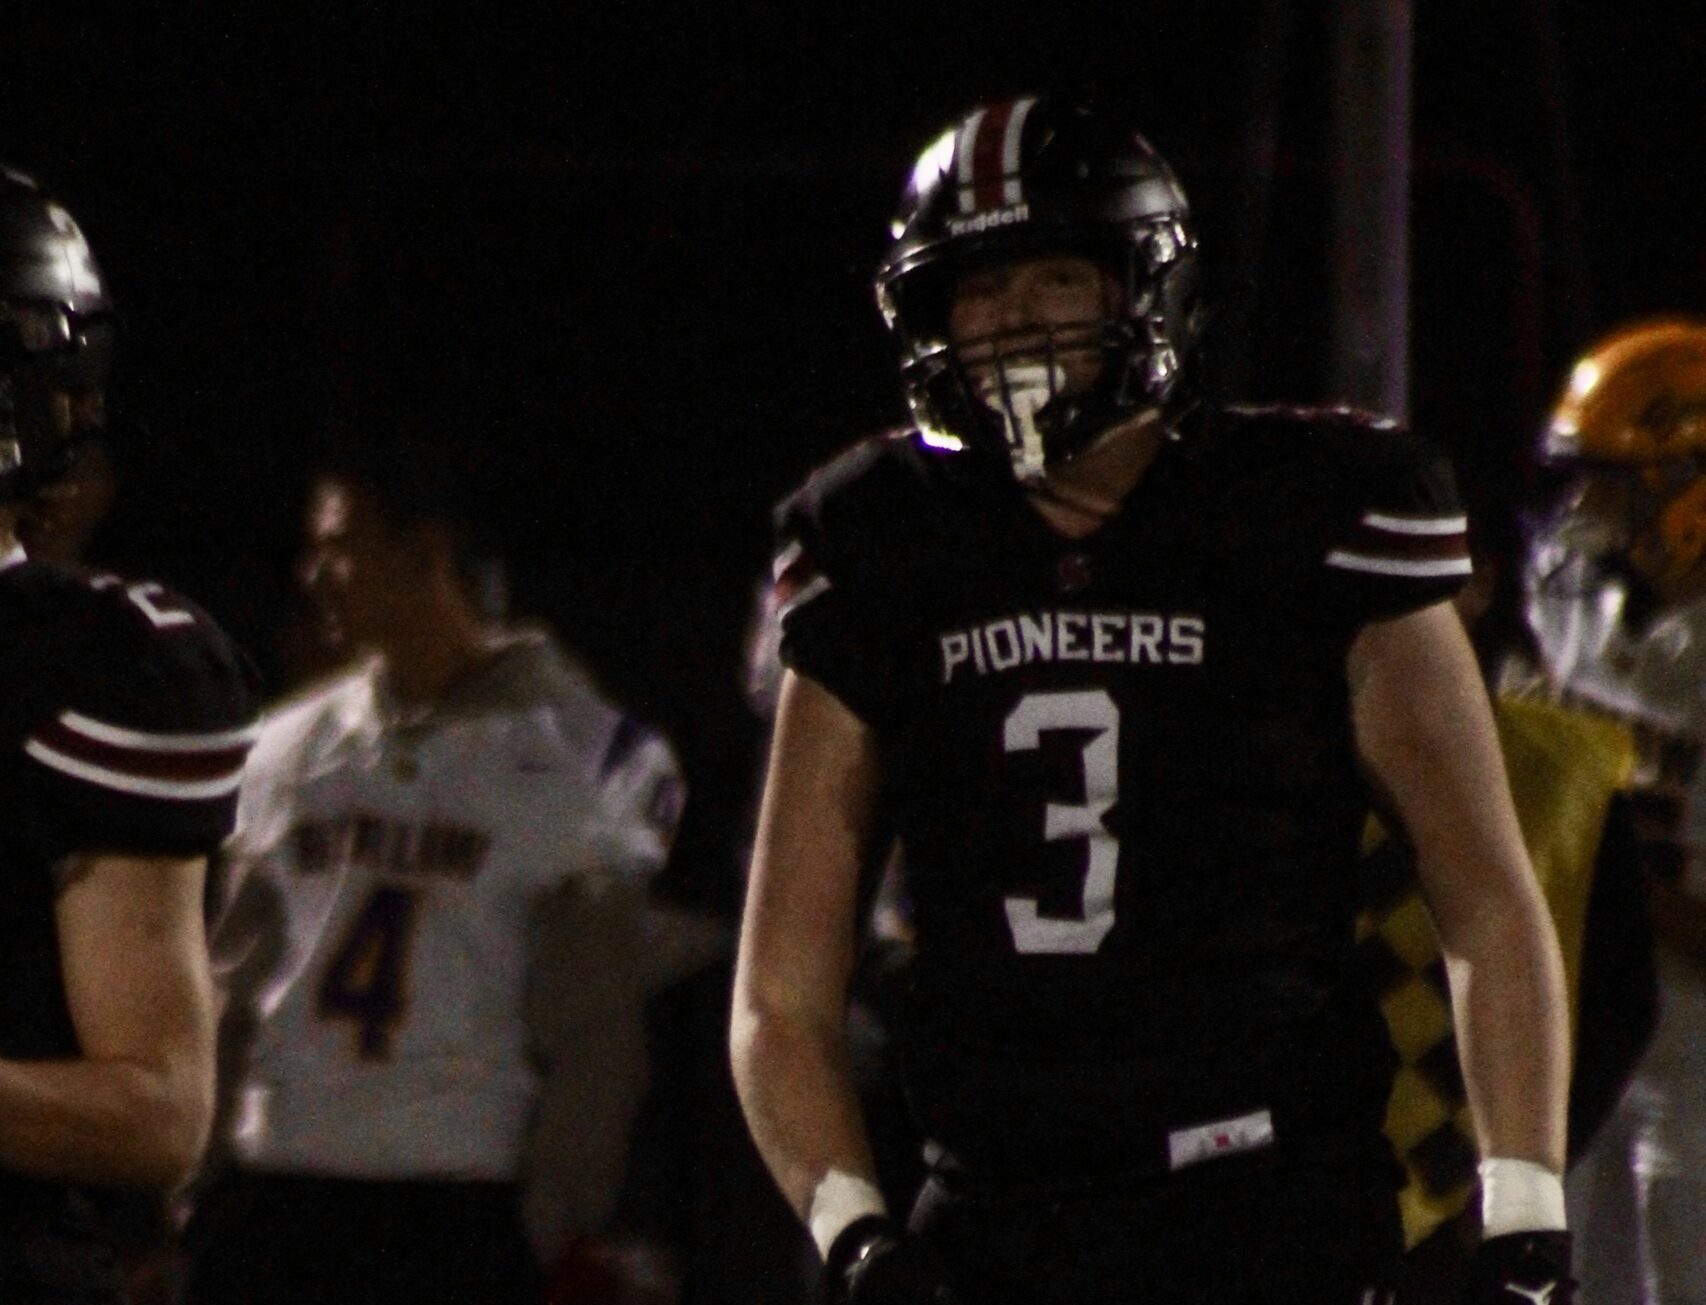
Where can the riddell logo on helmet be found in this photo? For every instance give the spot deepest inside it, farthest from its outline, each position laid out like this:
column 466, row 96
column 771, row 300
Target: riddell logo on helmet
column 1000, row 217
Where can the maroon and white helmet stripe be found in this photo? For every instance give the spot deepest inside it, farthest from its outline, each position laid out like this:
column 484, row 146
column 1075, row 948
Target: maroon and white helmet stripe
column 184, row 767
column 1425, row 547
column 988, row 156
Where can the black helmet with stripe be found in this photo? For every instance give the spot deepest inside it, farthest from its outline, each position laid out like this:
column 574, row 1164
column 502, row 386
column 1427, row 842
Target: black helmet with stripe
column 1030, row 177
column 56, row 334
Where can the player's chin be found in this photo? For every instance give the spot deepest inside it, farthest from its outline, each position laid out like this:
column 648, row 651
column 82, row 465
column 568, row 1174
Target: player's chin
column 53, row 539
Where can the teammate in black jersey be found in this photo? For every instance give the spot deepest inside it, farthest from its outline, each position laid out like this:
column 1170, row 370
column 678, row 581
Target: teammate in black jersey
column 1125, row 672
column 123, row 724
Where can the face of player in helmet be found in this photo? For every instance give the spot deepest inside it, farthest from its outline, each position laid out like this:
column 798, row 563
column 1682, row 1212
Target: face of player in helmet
column 58, row 522
column 46, row 430
column 1046, row 311
column 48, row 416
column 1654, row 518
column 361, row 569
column 1030, row 336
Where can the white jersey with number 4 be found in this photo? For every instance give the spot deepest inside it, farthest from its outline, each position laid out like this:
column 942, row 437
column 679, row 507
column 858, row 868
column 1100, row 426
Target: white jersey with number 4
column 390, row 864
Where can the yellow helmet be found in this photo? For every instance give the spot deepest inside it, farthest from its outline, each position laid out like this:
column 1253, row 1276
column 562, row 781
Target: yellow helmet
column 1637, row 396
column 1633, row 415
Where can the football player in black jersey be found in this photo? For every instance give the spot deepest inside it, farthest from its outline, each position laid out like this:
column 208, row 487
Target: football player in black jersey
column 1125, row 670
column 123, row 726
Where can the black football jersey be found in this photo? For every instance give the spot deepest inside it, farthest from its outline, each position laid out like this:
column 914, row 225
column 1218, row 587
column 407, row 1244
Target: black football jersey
column 1122, row 769
column 123, row 727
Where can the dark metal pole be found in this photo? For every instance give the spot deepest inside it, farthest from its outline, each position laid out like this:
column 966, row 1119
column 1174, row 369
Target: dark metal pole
column 1369, row 177
column 1233, row 357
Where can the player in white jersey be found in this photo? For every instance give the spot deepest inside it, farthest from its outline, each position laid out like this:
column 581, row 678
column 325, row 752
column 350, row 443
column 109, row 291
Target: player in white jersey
column 440, row 859
column 1616, row 590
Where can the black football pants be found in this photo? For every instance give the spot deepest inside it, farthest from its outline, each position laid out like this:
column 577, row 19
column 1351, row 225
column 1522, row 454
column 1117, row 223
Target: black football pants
column 1259, row 1229
column 287, row 1240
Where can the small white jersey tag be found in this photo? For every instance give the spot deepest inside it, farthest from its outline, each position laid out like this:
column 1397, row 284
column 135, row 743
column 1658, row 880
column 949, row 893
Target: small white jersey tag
column 1189, row 1146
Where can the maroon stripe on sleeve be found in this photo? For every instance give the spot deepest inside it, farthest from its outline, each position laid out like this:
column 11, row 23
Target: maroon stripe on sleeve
column 202, row 764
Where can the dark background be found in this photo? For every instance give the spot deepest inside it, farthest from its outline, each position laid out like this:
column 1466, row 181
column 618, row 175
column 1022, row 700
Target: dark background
column 622, row 252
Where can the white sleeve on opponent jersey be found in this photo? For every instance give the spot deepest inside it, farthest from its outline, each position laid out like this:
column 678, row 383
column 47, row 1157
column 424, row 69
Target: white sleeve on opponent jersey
column 292, row 738
column 640, row 799
column 632, row 782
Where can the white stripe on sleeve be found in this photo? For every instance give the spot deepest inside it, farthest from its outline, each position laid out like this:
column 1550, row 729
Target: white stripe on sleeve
column 181, row 790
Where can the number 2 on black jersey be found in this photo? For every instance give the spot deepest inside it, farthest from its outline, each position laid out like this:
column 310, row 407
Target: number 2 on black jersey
column 1086, row 709
column 148, row 597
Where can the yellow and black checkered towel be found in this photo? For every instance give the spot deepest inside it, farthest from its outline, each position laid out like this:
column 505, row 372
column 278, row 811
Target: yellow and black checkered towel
column 1565, row 766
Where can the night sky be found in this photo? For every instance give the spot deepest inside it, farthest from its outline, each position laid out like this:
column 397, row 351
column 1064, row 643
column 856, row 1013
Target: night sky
column 623, row 252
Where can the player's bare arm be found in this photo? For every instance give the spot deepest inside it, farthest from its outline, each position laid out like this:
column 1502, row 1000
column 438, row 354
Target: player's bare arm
column 1426, row 732
column 797, row 945
column 135, row 1109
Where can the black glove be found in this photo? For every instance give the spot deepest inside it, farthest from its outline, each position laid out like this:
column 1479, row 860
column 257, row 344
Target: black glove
column 1523, row 1268
column 873, row 1261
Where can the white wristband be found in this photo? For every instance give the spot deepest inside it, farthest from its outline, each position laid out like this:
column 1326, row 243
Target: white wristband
column 1520, row 1196
column 839, row 1200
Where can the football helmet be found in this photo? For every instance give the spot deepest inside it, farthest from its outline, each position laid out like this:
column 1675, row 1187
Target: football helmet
column 1615, row 589
column 1024, row 178
column 56, row 334
column 1633, row 417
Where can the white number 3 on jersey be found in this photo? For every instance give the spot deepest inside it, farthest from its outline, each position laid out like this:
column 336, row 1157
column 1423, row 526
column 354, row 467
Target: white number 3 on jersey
column 1089, row 709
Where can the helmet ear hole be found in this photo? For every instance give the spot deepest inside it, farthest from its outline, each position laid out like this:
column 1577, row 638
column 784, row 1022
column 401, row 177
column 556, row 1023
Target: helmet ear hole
column 920, row 307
